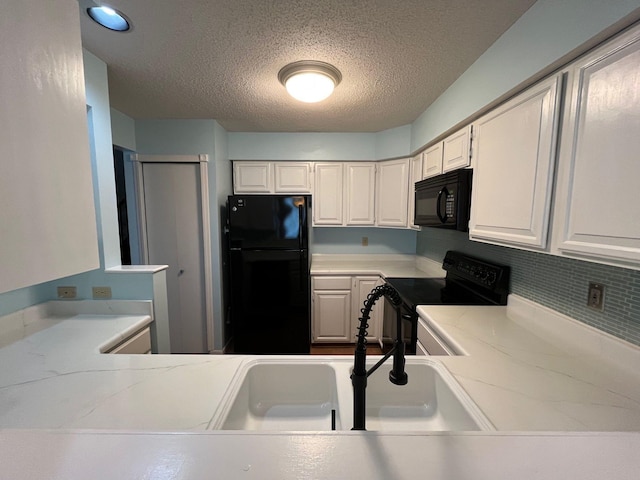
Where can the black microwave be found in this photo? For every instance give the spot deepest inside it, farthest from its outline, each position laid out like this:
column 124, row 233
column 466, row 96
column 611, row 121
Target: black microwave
column 444, row 201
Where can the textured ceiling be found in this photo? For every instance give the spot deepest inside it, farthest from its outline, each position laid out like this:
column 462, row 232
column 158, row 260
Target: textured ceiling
column 219, row 59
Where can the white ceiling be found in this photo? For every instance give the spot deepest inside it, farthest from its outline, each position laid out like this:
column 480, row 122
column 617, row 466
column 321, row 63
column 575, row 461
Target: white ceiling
column 219, row 59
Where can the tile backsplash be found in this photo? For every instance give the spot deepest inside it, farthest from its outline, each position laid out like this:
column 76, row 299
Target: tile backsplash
column 558, row 283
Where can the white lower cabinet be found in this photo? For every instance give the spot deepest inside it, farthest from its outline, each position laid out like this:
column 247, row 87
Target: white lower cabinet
column 336, row 304
column 597, row 213
column 514, row 149
column 332, row 306
column 362, row 286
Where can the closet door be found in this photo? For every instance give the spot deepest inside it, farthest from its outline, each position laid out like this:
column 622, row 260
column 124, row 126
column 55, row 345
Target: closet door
column 174, row 236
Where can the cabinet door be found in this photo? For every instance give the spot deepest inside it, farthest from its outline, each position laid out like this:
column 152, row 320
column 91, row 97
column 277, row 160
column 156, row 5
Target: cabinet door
column 416, row 176
column 331, row 316
column 360, row 193
column 47, row 209
column 327, row 194
column 292, row 177
column 362, row 287
column 432, row 161
column 515, row 147
column 597, row 208
column 455, row 150
column 252, row 177
column 392, row 193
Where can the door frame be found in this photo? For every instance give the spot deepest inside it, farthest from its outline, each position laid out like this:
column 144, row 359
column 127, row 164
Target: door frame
column 203, row 160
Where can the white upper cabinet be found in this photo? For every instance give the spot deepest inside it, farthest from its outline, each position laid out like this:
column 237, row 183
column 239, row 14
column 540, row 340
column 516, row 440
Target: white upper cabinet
column 392, row 193
column 252, row 177
column 455, row 150
column 328, row 194
column 597, row 212
column 292, row 177
column 416, row 176
column 450, row 154
column 272, row 177
column 360, row 193
column 514, row 150
column 47, row 211
column 432, row 161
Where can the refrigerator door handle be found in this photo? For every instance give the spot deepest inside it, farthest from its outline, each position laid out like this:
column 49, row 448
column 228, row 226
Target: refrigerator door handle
column 300, row 226
column 303, row 269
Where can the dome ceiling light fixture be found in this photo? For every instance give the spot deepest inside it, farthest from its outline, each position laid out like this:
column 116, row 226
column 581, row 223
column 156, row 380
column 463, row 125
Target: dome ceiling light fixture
column 109, row 18
column 309, row 81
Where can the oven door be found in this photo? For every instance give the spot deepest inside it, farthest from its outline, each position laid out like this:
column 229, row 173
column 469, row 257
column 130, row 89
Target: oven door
column 409, row 328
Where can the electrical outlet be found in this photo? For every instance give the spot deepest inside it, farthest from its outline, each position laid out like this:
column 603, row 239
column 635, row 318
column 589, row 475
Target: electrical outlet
column 365, row 241
column 66, row 292
column 101, row 292
column 596, row 296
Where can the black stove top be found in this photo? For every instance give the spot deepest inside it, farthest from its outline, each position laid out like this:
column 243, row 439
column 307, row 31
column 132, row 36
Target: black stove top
column 469, row 281
column 434, row 291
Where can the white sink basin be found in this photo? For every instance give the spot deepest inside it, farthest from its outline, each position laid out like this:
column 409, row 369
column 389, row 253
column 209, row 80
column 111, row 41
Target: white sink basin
column 295, row 395
column 283, row 396
column 430, row 401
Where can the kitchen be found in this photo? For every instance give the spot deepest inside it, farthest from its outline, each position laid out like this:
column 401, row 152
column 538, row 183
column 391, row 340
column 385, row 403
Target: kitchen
column 535, row 268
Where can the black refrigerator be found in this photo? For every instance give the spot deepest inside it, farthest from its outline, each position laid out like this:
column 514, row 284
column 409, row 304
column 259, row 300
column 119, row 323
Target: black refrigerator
column 269, row 273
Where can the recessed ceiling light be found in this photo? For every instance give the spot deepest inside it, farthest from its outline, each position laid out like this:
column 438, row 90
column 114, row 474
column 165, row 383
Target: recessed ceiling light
column 109, row 18
column 309, row 81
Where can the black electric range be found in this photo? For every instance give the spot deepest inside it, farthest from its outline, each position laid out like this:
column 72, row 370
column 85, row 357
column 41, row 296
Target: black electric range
column 469, row 281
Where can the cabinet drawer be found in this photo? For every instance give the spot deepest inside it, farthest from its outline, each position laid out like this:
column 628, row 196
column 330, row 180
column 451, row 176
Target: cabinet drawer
column 332, row 283
column 139, row 343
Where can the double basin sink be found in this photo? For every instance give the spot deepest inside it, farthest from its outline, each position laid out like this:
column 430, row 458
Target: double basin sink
column 316, row 395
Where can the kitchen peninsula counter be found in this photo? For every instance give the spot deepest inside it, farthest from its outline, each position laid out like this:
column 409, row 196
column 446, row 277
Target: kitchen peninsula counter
column 67, row 411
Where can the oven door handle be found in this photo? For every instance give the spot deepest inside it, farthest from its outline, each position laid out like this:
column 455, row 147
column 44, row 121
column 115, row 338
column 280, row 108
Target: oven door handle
column 443, row 218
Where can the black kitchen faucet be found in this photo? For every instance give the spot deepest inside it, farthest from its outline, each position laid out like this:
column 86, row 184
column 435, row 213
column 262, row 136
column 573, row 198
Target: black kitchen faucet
column 359, row 375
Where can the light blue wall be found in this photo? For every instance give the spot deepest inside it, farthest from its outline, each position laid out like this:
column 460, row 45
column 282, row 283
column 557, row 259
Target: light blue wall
column 192, row 137
column 326, row 147
column 546, row 32
column 133, row 286
column 392, row 143
column 349, row 240
column 302, row 146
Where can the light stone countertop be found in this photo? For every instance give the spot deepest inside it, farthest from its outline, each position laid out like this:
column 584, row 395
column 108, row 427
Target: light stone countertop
column 529, row 368
column 67, row 411
column 386, row 266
